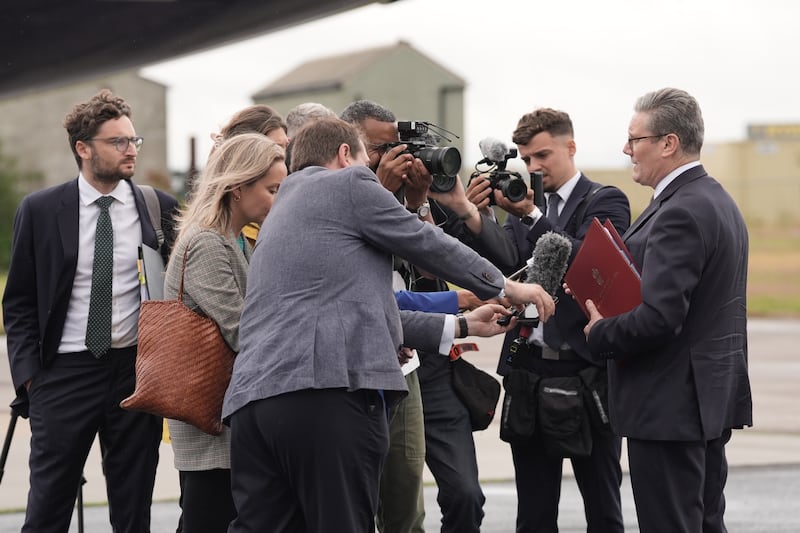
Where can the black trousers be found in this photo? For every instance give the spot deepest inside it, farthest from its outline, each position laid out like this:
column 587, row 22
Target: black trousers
column 308, row 461
column 450, row 449
column 678, row 486
column 72, row 401
column 538, row 476
column 206, row 501
column 538, row 479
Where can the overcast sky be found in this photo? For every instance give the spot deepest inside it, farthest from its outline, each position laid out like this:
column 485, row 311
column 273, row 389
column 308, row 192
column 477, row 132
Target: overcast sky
column 590, row 58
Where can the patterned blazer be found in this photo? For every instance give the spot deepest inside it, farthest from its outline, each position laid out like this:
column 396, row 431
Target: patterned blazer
column 214, row 285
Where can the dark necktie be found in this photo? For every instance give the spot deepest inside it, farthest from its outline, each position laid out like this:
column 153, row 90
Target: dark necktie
column 552, row 208
column 550, row 332
column 98, row 326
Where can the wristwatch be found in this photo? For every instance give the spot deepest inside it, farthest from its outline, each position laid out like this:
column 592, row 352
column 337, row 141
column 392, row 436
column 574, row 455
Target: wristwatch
column 423, row 210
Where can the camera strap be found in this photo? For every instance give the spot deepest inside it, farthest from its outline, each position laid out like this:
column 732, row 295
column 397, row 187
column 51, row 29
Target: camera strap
column 584, row 205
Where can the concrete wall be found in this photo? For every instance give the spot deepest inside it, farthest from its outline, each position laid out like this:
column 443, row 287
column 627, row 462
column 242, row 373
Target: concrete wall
column 32, row 132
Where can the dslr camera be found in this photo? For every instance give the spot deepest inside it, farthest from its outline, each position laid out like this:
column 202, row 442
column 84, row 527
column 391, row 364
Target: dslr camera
column 509, row 182
column 443, row 162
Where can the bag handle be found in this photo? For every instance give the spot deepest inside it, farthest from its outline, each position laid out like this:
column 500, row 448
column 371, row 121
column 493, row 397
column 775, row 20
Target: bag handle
column 183, row 268
column 153, row 210
column 457, row 349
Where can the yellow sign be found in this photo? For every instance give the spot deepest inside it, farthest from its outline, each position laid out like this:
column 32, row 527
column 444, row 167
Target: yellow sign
column 773, row 131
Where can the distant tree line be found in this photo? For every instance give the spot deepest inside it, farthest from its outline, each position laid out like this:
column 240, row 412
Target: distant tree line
column 10, row 195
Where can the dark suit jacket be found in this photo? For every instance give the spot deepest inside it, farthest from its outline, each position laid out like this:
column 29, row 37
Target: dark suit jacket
column 680, row 368
column 43, row 263
column 608, row 203
column 510, row 246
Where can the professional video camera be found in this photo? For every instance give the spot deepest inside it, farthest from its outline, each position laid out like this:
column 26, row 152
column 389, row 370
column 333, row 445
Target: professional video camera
column 443, row 162
column 496, row 154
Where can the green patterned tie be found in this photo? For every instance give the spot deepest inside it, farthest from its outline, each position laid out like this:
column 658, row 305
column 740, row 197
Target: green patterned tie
column 98, row 327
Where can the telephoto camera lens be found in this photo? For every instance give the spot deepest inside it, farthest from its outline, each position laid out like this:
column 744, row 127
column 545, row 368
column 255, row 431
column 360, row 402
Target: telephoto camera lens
column 441, row 161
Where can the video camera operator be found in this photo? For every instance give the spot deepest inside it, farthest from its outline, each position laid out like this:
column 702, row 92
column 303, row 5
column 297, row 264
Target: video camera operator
column 555, row 355
column 545, row 142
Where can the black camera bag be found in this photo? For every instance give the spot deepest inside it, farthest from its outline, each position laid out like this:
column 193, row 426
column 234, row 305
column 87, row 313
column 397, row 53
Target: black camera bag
column 564, row 423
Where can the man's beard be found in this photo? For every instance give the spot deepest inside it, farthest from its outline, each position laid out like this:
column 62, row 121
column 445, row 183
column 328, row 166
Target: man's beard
column 105, row 173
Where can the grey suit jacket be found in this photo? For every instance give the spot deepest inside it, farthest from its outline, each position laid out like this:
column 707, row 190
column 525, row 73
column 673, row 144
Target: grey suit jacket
column 320, row 311
column 214, row 286
column 680, row 358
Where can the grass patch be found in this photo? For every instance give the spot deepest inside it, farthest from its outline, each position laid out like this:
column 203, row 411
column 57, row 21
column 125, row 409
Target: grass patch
column 773, row 282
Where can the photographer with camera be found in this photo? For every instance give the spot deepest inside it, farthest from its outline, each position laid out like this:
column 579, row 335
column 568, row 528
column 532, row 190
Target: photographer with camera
column 323, row 474
column 444, row 441
column 467, row 214
column 545, row 142
column 556, row 350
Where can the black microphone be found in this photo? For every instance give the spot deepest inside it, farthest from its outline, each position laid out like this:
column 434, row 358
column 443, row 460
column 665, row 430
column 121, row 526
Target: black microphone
column 493, row 150
column 547, row 267
column 538, row 190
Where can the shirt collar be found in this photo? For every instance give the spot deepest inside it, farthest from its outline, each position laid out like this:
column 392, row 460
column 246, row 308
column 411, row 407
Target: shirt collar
column 89, row 194
column 566, row 190
column 671, row 176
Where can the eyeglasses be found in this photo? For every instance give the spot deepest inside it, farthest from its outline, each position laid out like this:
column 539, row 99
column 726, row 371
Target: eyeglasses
column 632, row 140
column 122, row 143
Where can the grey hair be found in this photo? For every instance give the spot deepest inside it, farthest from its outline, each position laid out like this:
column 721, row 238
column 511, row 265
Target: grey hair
column 301, row 114
column 674, row 111
column 360, row 110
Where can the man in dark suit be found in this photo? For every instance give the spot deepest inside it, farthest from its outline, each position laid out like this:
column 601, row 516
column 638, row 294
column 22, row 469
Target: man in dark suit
column 71, row 324
column 319, row 337
column 678, row 380
column 545, row 141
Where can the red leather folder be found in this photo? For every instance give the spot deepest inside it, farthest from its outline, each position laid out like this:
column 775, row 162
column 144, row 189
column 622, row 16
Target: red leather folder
column 603, row 271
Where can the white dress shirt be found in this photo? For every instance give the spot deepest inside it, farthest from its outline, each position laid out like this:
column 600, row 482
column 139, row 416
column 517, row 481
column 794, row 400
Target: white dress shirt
column 125, row 286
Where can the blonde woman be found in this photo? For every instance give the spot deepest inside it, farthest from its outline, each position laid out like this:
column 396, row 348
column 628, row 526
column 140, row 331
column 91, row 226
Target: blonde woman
column 237, row 187
column 258, row 118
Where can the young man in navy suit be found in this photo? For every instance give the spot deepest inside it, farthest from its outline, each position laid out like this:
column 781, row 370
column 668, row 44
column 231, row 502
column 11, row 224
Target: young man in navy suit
column 71, row 307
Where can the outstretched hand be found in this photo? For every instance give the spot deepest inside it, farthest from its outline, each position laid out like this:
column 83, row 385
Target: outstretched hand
column 525, row 293
column 482, row 322
column 467, row 300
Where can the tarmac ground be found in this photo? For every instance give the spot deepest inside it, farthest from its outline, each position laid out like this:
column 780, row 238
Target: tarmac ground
column 762, row 492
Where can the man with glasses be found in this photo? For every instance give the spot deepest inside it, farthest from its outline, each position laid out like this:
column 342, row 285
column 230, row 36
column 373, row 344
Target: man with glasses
column 70, row 308
column 678, row 379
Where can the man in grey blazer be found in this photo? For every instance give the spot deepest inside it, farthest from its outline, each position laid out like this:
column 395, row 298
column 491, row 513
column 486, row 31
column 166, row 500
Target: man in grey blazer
column 678, row 380
column 319, row 338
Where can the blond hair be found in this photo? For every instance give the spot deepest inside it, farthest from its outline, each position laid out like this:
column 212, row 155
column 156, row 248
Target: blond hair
column 238, row 161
